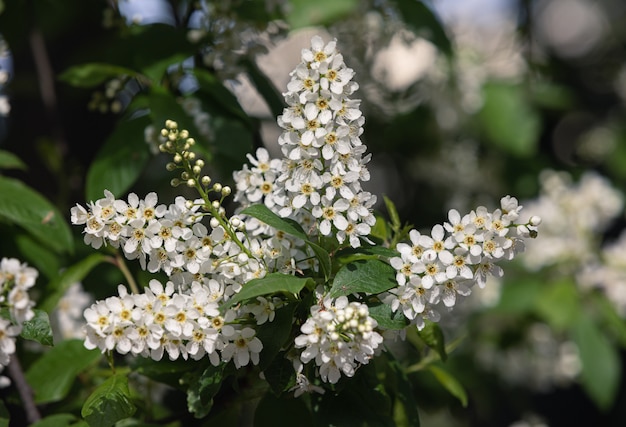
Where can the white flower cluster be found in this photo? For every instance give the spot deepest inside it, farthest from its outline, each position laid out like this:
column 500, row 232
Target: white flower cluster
column 572, row 213
column 318, row 182
column 339, row 335
column 187, row 325
column 575, row 214
column 15, row 280
column 439, row 267
column 171, row 239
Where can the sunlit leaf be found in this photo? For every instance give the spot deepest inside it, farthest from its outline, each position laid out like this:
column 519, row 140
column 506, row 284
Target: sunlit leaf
column 304, row 13
column 93, row 74
column 369, row 276
column 270, row 284
column 109, row 403
column 38, row 328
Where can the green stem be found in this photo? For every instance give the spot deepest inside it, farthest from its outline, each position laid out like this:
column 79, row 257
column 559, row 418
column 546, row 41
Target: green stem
column 434, row 356
column 121, row 264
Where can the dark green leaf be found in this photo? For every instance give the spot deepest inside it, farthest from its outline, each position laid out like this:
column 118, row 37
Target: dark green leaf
column 9, row 160
column 52, row 375
column 57, row 288
column 305, row 13
column 120, row 161
column 270, row 284
column 404, row 392
column 164, row 371
column 370, row 276
column 432, row 335
column 38, row 328
column 601, row 367
column 233, row 141
column 221, row 96
column 109, row 403
column 264, row 214
column 424, row 23
column 275, row 334
column 266, row 88
column 5, row 415
column 39, row 256
column 386, row 318
column 93, row 74
column 280, row 374
column 508, row 119
column 290, row 410
column 449, row 383
column 26, row 208
column 202, row 389
column 57, row 420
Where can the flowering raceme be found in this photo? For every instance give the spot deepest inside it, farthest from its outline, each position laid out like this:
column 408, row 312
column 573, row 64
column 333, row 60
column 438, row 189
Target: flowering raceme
column 297, row 257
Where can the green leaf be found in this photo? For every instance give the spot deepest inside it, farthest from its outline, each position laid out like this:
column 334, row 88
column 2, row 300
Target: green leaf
column 370, row 276
column 519, row 296
column 109, row 403
column 393, row 213
column 164, row 371
column 120, row 161
column 290, row 410
column 386, row 318
column 38, row 328
column 234, row 140
column 23, row 206
column 9, row 160
column 93, row 74
column 77, row 272
column 305, row 13
column 264, row 214
column 39, row 256
column 559, row 304
column 52, row 375
column 432, row 336
column 601, row 366
column 275, row 334
column 5, row 415
column 266, row 88
column 450, row 383
column 202, row 389
column 270, row 284
column 509, row 121
column 404, row 392
column 56, row 420
column 365, row 252
column 280, row 374
column 424, row 23
column 220, row 95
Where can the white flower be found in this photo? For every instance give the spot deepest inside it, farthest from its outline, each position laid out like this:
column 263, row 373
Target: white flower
column 243, row 347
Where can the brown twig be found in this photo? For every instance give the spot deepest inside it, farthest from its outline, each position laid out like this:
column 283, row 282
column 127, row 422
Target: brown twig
column 24, row 390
